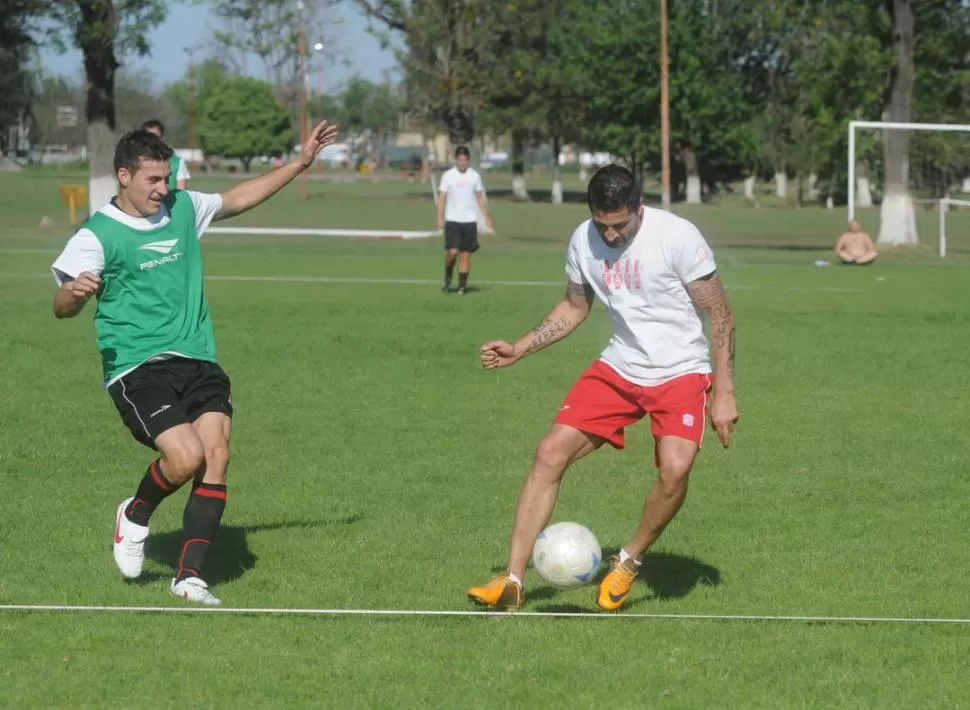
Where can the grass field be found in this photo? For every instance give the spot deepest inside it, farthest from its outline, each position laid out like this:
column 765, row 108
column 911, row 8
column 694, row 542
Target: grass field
column 376, row 467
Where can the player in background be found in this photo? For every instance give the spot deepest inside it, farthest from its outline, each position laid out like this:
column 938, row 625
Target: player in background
column 139, row 256
column 180, row 171
column 460, row 191
column 656, row 276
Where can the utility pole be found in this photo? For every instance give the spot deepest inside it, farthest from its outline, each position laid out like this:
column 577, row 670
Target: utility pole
column 192, row 89
column 301, row 51
column 664, row 112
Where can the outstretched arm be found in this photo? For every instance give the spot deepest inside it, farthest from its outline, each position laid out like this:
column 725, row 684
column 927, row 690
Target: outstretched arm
column 560, row 322
column 710, row 298
column 250, row 193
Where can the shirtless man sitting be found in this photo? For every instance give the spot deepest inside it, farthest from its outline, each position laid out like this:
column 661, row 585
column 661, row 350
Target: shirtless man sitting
column 855, row 247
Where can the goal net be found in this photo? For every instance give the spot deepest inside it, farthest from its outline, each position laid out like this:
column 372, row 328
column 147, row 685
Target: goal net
column 910, row 183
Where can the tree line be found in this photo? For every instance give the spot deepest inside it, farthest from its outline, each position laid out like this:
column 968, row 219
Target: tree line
column 759, row 89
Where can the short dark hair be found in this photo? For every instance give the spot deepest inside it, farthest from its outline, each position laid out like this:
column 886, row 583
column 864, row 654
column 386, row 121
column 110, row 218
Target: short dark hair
column 611, row 188
column 138, row 145
column 462, row 151
column 154, row 124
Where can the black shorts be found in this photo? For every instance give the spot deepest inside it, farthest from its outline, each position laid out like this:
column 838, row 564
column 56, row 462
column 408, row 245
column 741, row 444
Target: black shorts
column 159, row 395
column 462, row 236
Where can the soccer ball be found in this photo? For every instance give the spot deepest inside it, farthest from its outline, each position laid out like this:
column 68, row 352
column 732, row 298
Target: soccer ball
column 566, row 555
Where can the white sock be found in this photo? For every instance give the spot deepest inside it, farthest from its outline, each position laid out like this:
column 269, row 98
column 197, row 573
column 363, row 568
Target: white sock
column 624, row 557
column 516, row 580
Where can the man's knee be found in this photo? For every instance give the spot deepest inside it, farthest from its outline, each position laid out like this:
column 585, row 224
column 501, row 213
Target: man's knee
column 217, row 459
column 552, row 457
column 183, row 458
column 675, row 467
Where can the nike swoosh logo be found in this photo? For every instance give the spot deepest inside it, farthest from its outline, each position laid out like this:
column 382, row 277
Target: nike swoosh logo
column 118, row 536
column 617, row 597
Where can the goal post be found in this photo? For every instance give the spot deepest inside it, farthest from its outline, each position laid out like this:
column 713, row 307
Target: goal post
column 945, row 204
column 937, row 166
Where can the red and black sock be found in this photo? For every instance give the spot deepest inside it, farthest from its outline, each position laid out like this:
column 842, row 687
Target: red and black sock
column 203, row 512
column 462, row 279
column 153, row 489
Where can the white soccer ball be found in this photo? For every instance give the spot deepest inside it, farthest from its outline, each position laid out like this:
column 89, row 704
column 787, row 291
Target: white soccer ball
column 567, row 555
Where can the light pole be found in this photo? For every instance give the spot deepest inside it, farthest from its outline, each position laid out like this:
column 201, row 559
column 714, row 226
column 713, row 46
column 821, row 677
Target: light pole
column 664, row 112
column 301, row 52
column 192, row 79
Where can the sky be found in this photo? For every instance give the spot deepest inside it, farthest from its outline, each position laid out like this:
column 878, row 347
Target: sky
column 358, row 53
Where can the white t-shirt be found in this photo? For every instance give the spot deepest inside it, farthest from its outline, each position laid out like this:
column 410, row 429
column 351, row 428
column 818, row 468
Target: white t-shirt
column 658, row 334
column 461, row 189
column 83, row 251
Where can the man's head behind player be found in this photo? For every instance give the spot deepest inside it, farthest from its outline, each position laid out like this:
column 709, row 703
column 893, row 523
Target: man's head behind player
column 615, row 204
column 142, row 166
column 462, row 158
column 155, row 126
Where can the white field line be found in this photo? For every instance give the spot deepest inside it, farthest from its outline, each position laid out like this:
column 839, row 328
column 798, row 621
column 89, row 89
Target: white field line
column 434, row 282
column 69, row 608
column 295, row 232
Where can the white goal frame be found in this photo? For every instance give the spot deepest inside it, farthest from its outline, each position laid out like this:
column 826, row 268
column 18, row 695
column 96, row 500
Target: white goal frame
column 945, row 203
column 854, row 125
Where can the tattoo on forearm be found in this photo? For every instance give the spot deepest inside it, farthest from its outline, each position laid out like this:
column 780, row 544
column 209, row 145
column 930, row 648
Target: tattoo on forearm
column 709, row 296
column 546, row 332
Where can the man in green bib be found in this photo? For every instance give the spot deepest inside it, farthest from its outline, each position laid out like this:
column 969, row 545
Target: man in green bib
column 180, row 174
column 140, row 256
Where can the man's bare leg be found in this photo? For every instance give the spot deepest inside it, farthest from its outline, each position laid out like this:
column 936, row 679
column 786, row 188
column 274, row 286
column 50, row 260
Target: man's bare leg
column 562, row 446
column 666, row 496
column 464, row 261
column 676, row 457
column 451, row 255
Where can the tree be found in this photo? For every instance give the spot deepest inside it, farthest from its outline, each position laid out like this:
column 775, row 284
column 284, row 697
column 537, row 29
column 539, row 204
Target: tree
column 207, row 78
column 51, row 93
column 104, row 30
column 370, row 108
column 614, row 65
column 840, row 72
column 532, row 90
column 370, row 113
column 270, row 29
column 16, row 22
column 897, row 219
column 448, row 56
column 243, row 119
column 324, row 106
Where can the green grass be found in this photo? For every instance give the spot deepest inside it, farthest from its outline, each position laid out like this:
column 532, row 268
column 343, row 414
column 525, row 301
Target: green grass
column 376, row 467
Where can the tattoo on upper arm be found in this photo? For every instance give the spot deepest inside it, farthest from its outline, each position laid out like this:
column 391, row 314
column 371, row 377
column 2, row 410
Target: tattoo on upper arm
column 576, row 291
column 710, row 297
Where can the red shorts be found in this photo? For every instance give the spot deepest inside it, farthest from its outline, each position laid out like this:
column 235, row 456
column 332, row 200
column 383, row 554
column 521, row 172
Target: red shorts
column 603, row 403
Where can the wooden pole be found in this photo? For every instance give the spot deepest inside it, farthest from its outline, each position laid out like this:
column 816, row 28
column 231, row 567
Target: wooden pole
column 304, row 134
column 192, row 89
column 664, row 112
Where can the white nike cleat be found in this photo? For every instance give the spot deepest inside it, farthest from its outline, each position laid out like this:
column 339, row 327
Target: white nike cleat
column 194, row 589
column 129, row 543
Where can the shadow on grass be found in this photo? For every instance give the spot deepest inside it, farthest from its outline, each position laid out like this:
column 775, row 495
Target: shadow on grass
column 230, row 556
column 667, row 575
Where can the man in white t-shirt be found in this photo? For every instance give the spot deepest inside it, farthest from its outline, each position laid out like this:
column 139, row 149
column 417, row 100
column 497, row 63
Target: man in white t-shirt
column 656, row 276
column 461, row 190
column 180, row 174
